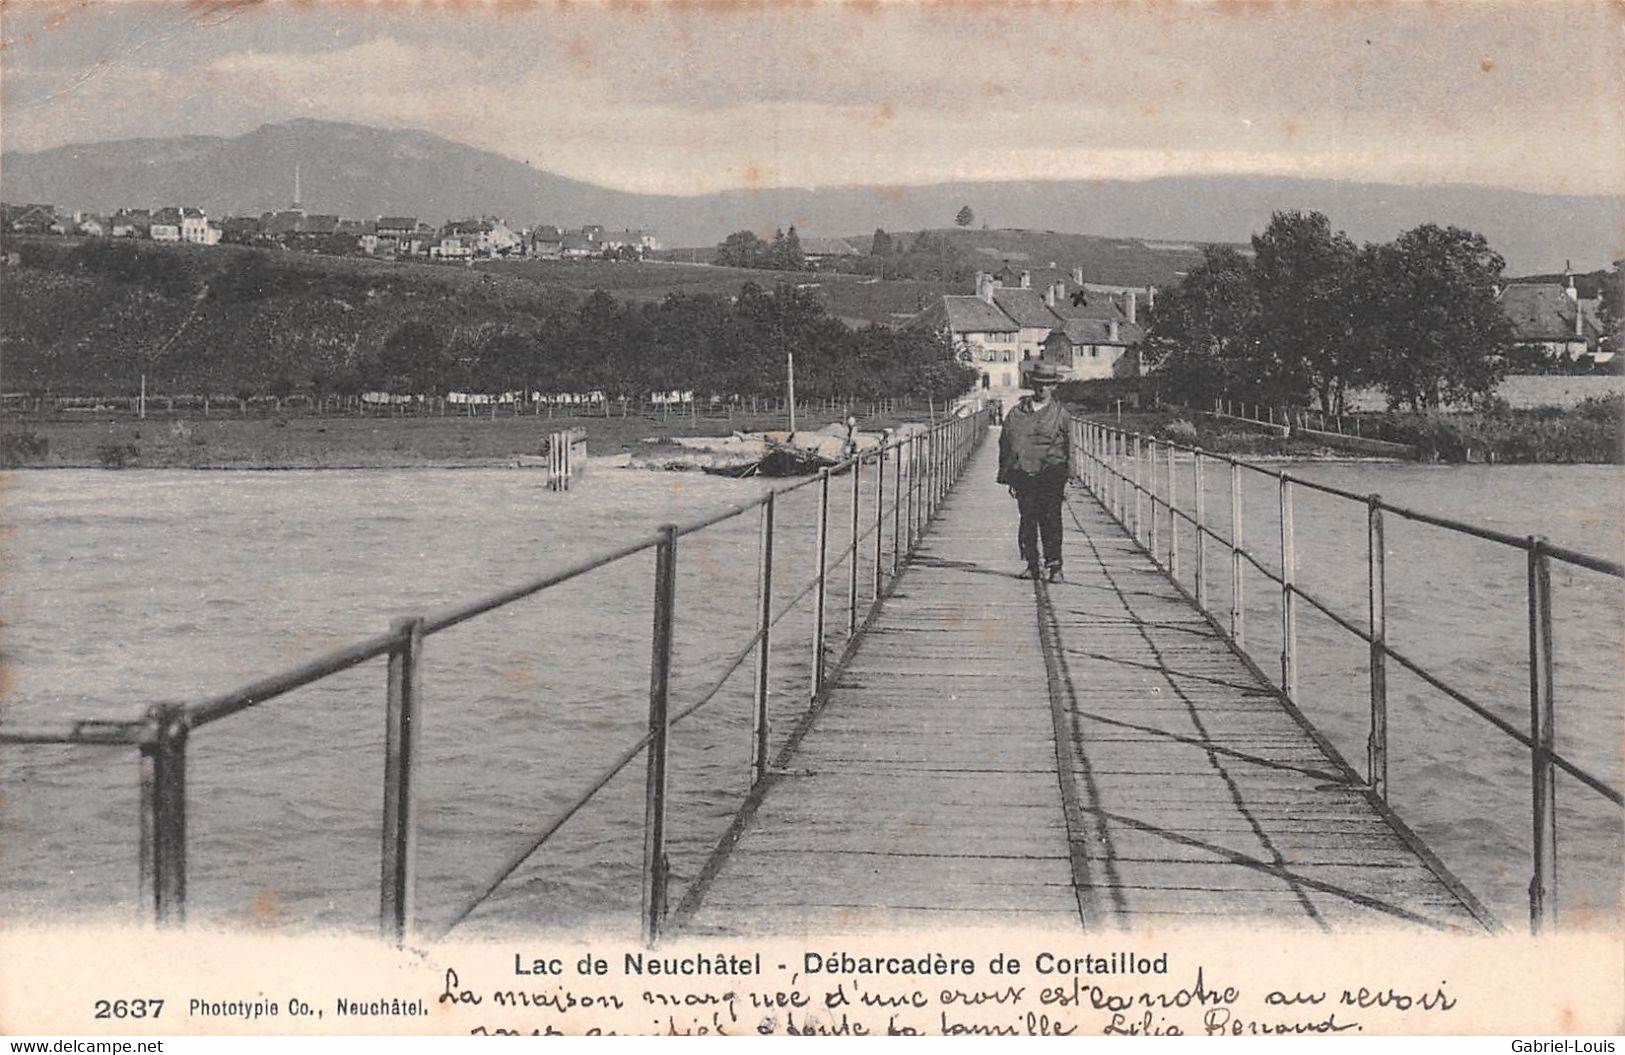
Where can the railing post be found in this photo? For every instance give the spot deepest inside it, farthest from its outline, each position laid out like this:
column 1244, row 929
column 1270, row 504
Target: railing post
column 896, row 504
column 1117, row 475
column 1201, row 538
column 852, row 552
column 163, row 815
column 1237, row 581
column 397, row 884
column 1543, row 884
column 1138, row 498
column 1289, row 619
column 820, row 593
column 654, row 804
column 880, row 514
column 1151, row 492
column 1377, row 595
column 1173, row 518
column 764, row 628
column 913, row 486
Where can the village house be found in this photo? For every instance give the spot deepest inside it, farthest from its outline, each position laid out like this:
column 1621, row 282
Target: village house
column 454, row 247
column 92, row 225
column 131, row 223
column 1003, row 330
column 483, row 237
column 31, row 219
column 983, row 336
column 196, row 228
column 818, row 250
column 546, row 242
column 577, row 245
column 1553, row 325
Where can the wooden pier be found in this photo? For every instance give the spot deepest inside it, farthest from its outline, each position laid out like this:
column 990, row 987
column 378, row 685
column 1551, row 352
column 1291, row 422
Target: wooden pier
column 1084, row 755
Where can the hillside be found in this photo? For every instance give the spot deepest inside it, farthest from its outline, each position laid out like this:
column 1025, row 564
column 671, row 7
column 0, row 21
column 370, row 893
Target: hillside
column 360, row 171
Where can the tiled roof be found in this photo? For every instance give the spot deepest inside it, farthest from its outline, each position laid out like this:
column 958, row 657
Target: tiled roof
column 1544, row 312
column 1098, row 306
column 975, row 315
column 1098, row 331
column 1025, row 306
column 828, row 247
column 398, row 223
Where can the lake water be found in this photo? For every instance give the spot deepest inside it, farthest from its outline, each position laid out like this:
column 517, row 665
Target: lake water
column 123, row 589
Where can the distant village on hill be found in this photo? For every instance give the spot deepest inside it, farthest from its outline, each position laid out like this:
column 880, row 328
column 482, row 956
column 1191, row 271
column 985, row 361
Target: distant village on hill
column 1010, row 316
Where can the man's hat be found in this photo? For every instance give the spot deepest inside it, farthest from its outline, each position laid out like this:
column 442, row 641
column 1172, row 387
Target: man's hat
column 1044, row 374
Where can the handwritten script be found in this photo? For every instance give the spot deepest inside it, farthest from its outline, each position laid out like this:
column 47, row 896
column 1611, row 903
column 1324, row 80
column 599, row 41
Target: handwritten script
column 823, row 994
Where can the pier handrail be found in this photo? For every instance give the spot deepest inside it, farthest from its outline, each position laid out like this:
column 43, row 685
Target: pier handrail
column 1108, row 460
column 926, row 462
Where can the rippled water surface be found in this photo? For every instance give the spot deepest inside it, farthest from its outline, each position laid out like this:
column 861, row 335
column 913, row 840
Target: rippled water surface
column 122, row 589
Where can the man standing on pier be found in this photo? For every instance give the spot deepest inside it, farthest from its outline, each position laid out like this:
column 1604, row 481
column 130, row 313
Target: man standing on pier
column 1035, row 461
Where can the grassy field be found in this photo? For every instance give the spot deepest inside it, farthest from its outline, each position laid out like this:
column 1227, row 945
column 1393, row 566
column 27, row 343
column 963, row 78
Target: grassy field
column 224, row 441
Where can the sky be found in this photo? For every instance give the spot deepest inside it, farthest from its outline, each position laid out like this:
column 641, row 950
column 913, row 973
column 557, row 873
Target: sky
column 688, row 98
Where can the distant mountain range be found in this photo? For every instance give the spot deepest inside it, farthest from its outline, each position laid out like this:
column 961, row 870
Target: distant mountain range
column 355, row 170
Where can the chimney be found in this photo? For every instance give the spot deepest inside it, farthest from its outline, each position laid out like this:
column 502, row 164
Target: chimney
column 1151, row 296
column 1130, row 305
column 1077, row 276
column 1026, row 280
column 1113, row 331
column 1049, row 294
column 984, row 286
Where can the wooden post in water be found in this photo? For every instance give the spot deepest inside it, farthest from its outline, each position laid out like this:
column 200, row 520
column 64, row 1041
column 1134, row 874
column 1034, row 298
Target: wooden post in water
column 397, row 885
column 654, row 803
column 1201, row 537
column 1377, row 610
column 764, row 629
column 163, row 815
column 1543, row 884
column 852, row 553
column 1237, row 582
column 790, row 373
column 1289, row 618
column 822, row 546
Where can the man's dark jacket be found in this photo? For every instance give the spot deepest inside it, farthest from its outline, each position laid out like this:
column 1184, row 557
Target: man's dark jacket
column 1035, row 441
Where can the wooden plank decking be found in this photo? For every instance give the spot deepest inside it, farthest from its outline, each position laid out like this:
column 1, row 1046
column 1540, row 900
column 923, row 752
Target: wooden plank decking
column 1083, row 755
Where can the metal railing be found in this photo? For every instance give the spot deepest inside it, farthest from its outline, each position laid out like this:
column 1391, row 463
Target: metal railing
column 921, row 466
column 1112, row 461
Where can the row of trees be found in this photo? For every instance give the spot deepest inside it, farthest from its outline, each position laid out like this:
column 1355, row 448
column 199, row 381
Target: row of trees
column 1311, row 314
column 98, row 319
column 701, row 343
column 744, row 249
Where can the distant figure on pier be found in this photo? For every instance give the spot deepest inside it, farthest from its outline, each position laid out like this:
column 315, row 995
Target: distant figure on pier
column 1034, row 463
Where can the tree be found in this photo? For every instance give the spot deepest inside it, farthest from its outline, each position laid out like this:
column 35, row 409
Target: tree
column 1201, row 332
column 741, row 249
column 411, row 360
column 882, row 243
column 1436, row 333
column 965, row 217
column 790, row 256
column 1305, row 336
